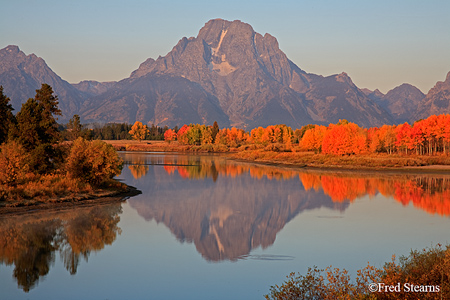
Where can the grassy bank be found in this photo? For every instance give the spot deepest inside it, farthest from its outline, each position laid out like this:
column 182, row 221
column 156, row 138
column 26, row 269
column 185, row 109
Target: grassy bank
column 373, row 161
column 54, row 189
column 162, row 146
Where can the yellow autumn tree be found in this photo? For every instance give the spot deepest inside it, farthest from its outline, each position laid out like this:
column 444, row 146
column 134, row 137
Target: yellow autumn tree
column 139, row 131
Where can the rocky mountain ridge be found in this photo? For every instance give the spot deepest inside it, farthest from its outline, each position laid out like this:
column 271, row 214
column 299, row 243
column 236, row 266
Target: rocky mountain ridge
column 228, row 73
column 402, row 102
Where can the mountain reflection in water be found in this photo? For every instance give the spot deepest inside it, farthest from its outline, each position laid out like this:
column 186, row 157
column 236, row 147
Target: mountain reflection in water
column 31, row 241
column 227, row 209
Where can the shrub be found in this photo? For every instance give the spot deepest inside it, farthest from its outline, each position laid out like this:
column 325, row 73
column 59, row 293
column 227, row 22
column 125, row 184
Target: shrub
column 426, row 268
column 251, row 147
column 93, row 161
column 13, row 163
column 277, row 147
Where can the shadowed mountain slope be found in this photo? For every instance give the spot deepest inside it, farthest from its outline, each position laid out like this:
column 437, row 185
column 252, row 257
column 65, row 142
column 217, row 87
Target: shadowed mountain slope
column 21, row 75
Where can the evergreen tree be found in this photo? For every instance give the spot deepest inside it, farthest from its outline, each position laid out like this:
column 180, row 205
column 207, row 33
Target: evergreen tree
column 45, row 97
column 6, row 116
column 29, row 118
column 215, row 131
column 37, row 129
column 74, row 128
column 49, row 103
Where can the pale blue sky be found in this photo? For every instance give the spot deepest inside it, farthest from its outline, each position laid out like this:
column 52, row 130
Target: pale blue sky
column 380, row 44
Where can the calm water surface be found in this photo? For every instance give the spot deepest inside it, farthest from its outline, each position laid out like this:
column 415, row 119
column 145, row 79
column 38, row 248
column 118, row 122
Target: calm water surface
column 208, row 228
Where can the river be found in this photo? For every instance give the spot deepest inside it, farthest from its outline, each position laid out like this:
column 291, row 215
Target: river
column 206, row 227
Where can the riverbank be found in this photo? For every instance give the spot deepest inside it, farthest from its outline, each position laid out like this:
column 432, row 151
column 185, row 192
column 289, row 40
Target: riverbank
column 75, row 172
column 303, row 159
column 374, row 162
column 114, row 192
column 162, row 146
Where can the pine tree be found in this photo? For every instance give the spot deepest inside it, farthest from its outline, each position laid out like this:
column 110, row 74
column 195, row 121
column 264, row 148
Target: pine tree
column 37, row 129
column 74, row 128
column 6, row 116
column 215, row 131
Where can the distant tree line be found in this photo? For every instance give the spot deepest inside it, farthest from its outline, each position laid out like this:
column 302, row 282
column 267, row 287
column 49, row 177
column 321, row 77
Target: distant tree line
column 108, row 131
column 429, row 136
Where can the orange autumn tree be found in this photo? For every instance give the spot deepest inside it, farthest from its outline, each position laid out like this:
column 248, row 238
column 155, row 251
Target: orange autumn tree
column 233, row 137
column 170, row 135
column 403, row 135
column 313, row 138
column 344, row 138
column 182, row 136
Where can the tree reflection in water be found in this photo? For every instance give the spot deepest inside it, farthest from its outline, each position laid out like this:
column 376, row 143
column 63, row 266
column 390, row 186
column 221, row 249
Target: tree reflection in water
column 30, row 242
column 430, row 193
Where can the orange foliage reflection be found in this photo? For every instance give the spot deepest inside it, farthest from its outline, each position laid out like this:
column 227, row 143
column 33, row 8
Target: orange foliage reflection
column 194, row 169
column 430, row 194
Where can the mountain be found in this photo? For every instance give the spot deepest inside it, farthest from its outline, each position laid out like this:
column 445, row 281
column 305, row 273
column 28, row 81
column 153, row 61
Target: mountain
column 436, row 102
column 401, row 102
column 228, row 73
column 375, row 95
column 156, row 99
column 241, row 77
column 337, row 97
column 93, row 88
column 21, row 75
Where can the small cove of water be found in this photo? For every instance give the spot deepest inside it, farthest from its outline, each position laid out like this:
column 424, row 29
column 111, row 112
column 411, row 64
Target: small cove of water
column 208, row 228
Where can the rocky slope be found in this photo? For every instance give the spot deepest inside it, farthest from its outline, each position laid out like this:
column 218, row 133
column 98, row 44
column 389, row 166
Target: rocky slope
column 401, row 102
column 155, row 99
column 93, row 88
column 437, row 100
column 21, row 75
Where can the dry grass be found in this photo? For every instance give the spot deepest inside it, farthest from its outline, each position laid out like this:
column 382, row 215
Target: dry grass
column 162, row 146
column 54, row 188
column 374, row 161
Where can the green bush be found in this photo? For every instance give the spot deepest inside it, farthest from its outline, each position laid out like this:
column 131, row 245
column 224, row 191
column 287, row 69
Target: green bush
column 93, row 161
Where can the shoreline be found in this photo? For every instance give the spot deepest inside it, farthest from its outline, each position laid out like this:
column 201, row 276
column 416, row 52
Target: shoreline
column 418, row 170
column 308, row 164
column 61, row 205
